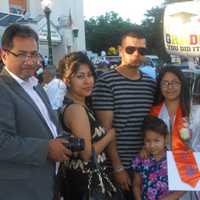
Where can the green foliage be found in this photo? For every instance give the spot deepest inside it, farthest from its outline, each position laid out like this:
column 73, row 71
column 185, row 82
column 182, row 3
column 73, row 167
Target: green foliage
column 153, row 29
column 104, row 31
column 112, row 51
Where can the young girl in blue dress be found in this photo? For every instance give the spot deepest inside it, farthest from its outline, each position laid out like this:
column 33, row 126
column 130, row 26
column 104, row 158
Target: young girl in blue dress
column 150, row 180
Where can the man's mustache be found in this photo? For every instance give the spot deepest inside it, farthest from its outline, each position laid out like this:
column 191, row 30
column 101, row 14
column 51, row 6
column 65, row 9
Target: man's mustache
column 36, row 66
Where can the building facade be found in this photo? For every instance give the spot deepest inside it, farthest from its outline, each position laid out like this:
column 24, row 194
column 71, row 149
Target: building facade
column 66, row 19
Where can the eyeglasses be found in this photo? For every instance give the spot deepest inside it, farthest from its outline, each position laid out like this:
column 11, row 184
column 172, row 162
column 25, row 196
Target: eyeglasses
column 131, row 49
column 23, row 56
column 173, row 84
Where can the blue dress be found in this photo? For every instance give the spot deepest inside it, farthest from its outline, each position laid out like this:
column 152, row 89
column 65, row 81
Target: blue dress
column 154, row 177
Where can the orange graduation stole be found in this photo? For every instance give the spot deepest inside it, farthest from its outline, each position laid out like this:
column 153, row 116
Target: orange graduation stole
column 183, row 154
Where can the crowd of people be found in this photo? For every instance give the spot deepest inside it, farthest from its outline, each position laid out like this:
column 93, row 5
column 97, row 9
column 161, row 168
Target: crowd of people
column 106, row 139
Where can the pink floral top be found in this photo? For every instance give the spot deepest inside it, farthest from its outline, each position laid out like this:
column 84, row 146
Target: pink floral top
column 154, row 177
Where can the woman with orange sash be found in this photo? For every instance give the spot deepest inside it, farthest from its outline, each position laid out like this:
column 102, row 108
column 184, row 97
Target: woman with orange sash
column 173, row 107
column 172, row 98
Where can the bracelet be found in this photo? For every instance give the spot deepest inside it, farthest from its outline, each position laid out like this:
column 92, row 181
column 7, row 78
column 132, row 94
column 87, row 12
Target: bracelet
column 118, row 168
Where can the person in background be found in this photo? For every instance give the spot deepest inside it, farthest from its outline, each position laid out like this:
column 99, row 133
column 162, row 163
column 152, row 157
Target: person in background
column 121, row 99
column 150, row 174
column 56, row 89
column 46, row 60
column 78, row 119
column 40, row 70
column 28, row 127
column 148, row 69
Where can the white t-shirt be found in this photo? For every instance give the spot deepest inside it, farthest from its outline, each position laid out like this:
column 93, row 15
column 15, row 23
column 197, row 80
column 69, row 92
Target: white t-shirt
column 56, row 90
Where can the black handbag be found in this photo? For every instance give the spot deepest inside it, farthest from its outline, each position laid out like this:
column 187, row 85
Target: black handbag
column 97, row 182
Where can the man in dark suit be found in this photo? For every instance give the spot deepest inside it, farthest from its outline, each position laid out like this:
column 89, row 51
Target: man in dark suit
column 28, row 126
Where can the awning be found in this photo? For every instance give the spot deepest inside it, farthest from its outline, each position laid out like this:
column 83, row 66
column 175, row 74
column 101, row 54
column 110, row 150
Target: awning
column 42, row 32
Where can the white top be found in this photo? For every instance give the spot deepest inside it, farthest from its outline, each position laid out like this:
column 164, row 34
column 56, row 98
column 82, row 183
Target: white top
column 164, row 115
column 28, row 86
column 56, row 90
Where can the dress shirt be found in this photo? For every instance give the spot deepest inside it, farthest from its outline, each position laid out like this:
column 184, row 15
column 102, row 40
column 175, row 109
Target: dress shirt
column 28, row 86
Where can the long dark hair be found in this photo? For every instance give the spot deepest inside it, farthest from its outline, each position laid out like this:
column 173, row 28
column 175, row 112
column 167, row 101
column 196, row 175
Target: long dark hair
column 185, row 93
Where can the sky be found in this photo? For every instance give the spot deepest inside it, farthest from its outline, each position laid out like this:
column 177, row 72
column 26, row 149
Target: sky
column 132, row 9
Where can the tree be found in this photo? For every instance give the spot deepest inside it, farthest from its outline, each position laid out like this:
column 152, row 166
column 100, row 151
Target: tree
column 153, row 29
column 104, row 31
column 112, row 51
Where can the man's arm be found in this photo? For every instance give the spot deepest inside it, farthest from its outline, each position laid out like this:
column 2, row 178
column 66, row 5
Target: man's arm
column 106, row 118
column 22, row 147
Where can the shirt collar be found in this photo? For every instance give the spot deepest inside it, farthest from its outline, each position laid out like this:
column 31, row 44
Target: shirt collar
column 32, row 81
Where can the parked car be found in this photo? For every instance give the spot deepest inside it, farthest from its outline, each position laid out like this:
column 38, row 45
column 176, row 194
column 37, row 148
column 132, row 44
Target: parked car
column 152, row 60
column 151, row 65
column 184, row 67
column 193, row 78
column 113, row 60
column 181, row 66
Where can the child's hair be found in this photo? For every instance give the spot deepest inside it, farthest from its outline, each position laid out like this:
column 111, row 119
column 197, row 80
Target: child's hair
column 152, row 123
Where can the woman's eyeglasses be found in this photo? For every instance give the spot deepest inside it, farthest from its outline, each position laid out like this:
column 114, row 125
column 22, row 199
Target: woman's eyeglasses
column 131, row 49
column 173, row 84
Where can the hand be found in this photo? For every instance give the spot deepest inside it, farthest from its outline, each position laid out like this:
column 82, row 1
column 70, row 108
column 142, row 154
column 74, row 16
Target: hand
column 144, row 154
column 185, row 122
column 184, row 131
column 122, row 178
column 57, row 151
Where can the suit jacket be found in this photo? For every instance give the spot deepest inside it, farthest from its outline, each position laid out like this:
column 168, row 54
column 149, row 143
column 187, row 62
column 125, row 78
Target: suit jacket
column 25, row 171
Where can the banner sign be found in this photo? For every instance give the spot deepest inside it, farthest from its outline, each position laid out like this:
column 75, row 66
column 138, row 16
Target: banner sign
column 182, row 28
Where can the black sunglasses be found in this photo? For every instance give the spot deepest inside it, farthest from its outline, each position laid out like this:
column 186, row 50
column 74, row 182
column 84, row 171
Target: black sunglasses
column 131, row 49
